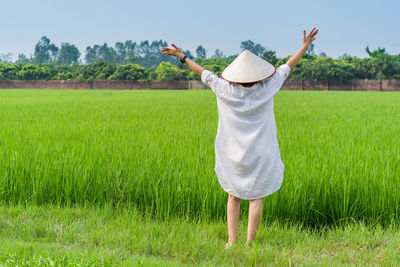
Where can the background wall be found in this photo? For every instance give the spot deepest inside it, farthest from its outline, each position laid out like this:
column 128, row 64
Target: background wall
column 351, row 85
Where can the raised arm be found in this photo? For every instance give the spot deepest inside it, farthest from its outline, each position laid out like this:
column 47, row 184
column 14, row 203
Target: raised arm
column 307, row 40
column 177, row 52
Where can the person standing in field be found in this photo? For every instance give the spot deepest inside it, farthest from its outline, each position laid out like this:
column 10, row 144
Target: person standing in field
column 247, row 157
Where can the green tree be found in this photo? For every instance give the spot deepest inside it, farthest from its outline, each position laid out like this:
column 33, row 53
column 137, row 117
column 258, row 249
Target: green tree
column 130, row 72
column 69, row 54
column 221, row 61
column 322, row 54
column 126, row 52
column 149, row 54
column 192, row 76
column 63, row 76
column 217, row 69
column 270, row 56
column 362, row 68
column 344, row 56
column 218, row 54
column 99, row 53
column 310, row 50
column 45, row 52
column 34, row 72
column 130, row 51
column 8, row 71
column 22, row 59
column 102, row 70
column 256, row 49
column 378, row 52
column 327, row 68
column 201, row 52
column 167, row 71
column 388, row 66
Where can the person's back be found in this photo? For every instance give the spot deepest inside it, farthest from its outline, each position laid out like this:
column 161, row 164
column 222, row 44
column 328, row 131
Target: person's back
column 248, row 163
column 247, row 158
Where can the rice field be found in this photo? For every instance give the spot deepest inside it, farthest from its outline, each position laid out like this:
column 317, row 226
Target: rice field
column 154, row 151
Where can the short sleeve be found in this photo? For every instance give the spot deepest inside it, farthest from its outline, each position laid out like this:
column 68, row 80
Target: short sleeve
column 277, row 80
column 217, row 84
column 284, row 71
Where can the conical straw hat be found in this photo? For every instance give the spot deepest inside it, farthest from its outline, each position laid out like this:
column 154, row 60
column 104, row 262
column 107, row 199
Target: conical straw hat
column 248, row 68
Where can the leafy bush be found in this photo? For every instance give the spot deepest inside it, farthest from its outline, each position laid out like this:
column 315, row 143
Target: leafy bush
column 34, row 72
column 167, row 71
column 130, row 72
column 8, row 71
column 377, row 66
column 63, row 76
column 102, row 70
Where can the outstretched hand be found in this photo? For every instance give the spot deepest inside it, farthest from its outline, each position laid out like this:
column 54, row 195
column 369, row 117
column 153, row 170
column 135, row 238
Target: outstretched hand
column 177, row 52
column 172, row 51
column 307, row 39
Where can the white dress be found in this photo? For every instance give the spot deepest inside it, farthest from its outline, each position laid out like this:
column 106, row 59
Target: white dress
column 247, row 159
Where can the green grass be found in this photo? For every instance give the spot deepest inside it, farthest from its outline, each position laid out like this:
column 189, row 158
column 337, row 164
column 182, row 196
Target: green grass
column 101, row 178
column 154, row 150
column 122, row 237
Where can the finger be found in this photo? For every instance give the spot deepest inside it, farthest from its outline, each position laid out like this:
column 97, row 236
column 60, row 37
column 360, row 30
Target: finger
column 312, row 34
column 175, row 46
column 313, row 29
column 313, row 39
column 304, row 34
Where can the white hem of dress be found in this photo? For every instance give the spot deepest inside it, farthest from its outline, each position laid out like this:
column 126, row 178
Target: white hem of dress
column 218, row 174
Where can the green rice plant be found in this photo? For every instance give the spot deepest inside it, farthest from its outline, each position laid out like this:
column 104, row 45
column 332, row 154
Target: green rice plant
column 154, row 150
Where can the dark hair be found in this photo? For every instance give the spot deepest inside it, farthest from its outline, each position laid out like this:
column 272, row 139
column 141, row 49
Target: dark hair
column 248, row 84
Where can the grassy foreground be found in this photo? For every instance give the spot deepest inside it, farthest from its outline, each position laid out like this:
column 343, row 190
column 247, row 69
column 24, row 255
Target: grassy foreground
column 31, row 236
column 154, row 150
column 99, row 178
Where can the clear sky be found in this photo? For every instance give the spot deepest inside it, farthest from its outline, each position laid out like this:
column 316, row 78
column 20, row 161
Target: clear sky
column 346, row 26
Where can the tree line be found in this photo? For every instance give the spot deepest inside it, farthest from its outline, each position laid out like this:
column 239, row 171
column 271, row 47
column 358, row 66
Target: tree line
column 143, row 61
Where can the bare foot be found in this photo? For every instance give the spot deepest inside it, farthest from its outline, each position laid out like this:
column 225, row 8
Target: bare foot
column 229, row 244
column 249, row 244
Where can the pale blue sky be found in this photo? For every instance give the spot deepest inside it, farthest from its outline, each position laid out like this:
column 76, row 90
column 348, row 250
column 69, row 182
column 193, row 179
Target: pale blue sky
column 345, row 26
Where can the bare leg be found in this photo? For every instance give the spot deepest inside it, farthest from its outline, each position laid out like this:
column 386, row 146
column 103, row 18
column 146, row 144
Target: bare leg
column 232, row 211
column 255, row 209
